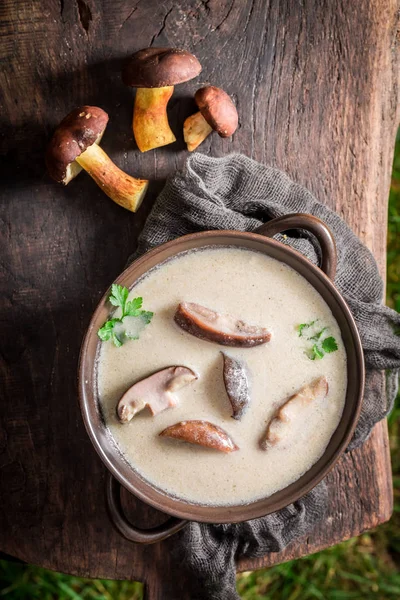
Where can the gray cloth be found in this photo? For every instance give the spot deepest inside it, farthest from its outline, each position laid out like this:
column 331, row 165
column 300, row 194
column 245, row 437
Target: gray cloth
column 236, row 192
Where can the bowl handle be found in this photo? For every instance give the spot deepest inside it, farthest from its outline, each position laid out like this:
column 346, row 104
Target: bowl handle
column 314, row 226
column 131, row 533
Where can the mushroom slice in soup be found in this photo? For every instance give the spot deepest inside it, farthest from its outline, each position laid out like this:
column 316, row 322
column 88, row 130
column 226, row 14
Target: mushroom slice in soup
column 156, row 391
column 236, row 385
column 202, row 433
column 291, row 411
column 212, row 326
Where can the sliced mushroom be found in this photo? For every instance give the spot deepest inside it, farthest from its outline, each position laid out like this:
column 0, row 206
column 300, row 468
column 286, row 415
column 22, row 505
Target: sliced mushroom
column 155, row 72
column 216, row 112
column 226, row 330
column 75, row 146
column 202, row 433
column 156, row 392
column 290, row 412
column 236, row 385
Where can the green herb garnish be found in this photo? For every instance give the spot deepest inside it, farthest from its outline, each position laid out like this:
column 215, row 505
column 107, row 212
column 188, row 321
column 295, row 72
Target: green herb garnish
column 322, row 343
column 304, row 326
column 329, row 345
column 318, row 335
column 316, row 352
column 115, row 329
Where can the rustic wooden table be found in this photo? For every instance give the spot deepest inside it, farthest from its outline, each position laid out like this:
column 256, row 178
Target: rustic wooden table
column 316, row 87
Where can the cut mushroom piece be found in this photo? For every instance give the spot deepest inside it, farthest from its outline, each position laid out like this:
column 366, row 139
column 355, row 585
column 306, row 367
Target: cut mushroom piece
column 155, row 72
column 75, row 146
column 156, row 391
column 217, row 112
column 236, row 385
column 226, row 330
column 202, row 433
column 290, row 413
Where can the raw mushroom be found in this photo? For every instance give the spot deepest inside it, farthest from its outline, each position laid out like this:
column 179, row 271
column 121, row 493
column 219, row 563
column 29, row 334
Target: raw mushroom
column 156, row 391
column 155, row 72
column 226, row 330
column 290, row 412
column 236, row 385
column 217, row 112
column 202, row 433
column 75, row 146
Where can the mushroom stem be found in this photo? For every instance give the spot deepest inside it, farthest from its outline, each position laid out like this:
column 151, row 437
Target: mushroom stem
column 195, row 131
column 125, row 190
column 150, row 120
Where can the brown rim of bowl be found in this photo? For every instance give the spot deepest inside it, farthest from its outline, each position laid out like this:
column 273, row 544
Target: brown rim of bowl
column 102, row 438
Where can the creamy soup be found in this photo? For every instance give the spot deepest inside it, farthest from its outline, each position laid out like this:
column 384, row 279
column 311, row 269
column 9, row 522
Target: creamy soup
column 261, row 291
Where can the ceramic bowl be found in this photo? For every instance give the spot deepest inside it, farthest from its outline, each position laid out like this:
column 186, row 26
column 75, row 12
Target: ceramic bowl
column 181, row 511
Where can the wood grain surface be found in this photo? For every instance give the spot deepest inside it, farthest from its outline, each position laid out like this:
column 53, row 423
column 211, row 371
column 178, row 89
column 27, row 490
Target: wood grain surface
column 316, row 85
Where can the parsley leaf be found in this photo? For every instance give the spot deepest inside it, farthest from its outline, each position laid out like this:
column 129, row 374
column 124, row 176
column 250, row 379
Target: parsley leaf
column 146, row 315
column 321, row 342
column 114, row 329
column 316, row 352
column 118, row 296
column 303, row 326
column 116, row 338
column 318, row 335
column 133, row 307
column 133, row 326
column 329, row 345
column 106, row 332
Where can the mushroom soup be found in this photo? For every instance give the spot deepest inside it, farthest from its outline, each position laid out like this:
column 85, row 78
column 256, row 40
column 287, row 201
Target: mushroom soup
column 265, row 409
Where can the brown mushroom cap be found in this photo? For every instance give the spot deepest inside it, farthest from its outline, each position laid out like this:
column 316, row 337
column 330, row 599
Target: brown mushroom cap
column 218, row 110
column 160, row 67
column 77, row 131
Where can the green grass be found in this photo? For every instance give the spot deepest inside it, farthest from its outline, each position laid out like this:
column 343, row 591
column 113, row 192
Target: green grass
column 20, row 582
column 350, row 570
column 365, row 567
column 393, row 249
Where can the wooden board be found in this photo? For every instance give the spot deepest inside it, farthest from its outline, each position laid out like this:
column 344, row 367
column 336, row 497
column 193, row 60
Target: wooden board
column 316, row 87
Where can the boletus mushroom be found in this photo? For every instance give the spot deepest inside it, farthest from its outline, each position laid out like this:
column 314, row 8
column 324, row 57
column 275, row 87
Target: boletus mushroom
column 290, row 413
column 217, row 113
column 236, row 380
column 156, row 391
column 155, row 72
column 210, row 325
column 75, row 146
column 202, row 433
